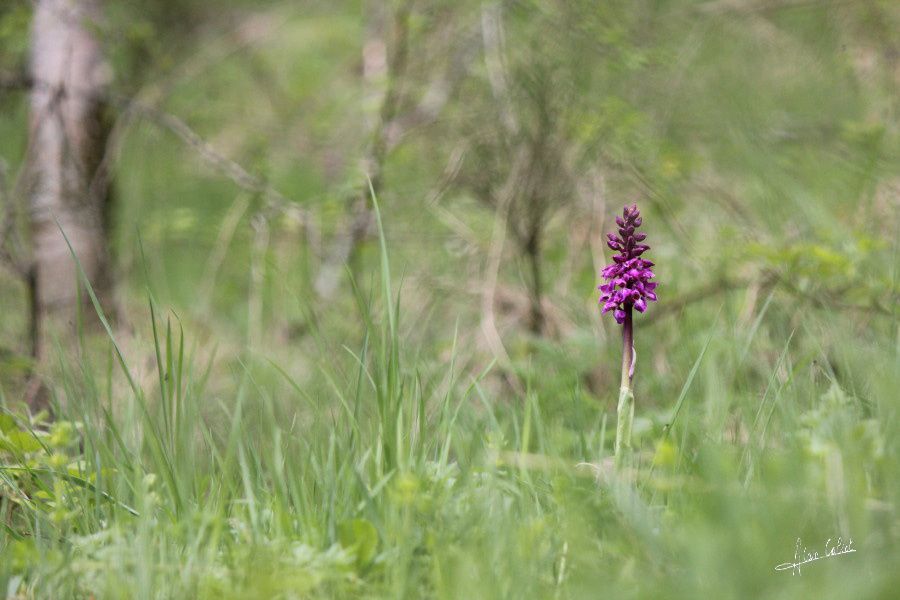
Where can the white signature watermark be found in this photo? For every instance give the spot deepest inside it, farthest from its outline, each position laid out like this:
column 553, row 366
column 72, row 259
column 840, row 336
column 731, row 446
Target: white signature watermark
column 802, row 555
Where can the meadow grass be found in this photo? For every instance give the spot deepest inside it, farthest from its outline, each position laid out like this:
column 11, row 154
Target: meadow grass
column 393, row 475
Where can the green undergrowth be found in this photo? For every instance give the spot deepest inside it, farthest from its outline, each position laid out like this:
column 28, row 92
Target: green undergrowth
column 384, row 475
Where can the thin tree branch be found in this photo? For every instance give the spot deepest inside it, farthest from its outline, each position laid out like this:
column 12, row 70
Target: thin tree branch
column 276, row 201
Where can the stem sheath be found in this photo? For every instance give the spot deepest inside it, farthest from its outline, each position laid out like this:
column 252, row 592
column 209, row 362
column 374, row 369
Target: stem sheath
column 625, row 409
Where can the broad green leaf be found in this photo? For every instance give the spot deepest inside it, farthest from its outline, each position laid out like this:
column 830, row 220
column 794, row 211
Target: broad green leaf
column 361, row 537
column 7, row 423
column 20, row 441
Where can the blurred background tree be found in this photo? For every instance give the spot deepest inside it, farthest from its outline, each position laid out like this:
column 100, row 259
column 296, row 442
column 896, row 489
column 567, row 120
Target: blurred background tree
column 759, row 138
column 65, row 170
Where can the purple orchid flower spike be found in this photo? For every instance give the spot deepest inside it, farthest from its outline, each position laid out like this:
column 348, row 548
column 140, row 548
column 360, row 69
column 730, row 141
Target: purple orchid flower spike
column 627, row 287
column 628, row 277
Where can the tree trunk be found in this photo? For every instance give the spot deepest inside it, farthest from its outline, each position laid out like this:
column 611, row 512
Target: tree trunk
column 376, row 65
column 68, row 138
column 533, row 252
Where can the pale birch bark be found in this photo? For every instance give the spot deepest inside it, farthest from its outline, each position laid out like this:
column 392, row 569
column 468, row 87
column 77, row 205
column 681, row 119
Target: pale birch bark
column 67, row 140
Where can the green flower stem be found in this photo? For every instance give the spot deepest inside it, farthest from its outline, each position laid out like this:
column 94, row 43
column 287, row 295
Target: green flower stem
column 625, row 409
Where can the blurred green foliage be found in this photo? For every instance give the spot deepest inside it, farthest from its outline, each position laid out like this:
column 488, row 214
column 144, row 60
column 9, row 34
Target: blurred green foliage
column 293, row 447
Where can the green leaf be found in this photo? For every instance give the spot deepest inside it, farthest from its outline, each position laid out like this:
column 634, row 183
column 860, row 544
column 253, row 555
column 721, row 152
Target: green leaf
column 361, row 537
column 20, row 441
column 7, row 423
column 61, row 434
